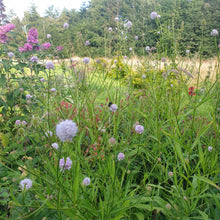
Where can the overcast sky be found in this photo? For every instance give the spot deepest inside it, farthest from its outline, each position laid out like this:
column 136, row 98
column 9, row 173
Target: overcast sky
column 20, row 6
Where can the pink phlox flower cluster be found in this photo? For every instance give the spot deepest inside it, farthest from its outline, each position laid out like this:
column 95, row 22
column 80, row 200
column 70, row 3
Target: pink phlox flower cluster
column 32, row 36
column 59, row 48
column 45, row 46
column 4, row 30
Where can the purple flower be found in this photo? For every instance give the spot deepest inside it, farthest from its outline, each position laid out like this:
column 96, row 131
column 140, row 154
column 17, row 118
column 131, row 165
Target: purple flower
column 17, row 122
column 65, row 165
column 110, row 29
column 129, row 24
column 66, row 130
column 163, row 59
column 48, row 133
column 10, row 54
column 21, row 49
column 59, row 48
column 34, row 59
column 125, row 57
column 136, row 37
column 210, row 149
column 7, row 28
column 53, row 90
column 28, row 47
column 143, row 76
column 42, row 80
column 87, row 42
column 26, row 184
column 112, row 141
column 214, row 32
column 48, row 36
column 23, row 122
column 65, row 25
column 49, row 65
column 153, row 15
column 86, row 181
column 121, row 156
column 113, row 107
column 32, row 36
column 86, row 60
column 28, row 96
column 45, row 46
column 139, row 129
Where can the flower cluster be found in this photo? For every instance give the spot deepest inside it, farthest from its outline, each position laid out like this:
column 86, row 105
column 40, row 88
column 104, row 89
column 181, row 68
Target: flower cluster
column 65, row 165
column 32, row 36
column 191, row 91
column 4, row 30
column 26, row 184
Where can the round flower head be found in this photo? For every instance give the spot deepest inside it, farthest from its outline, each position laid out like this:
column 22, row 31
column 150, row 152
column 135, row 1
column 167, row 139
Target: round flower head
column 42, row 79
column 86, row 181
column 125, row 57
column 113, row 107
column 18, row 122
column 53, row 90
column 87, row 43
column 10, row 54
column 112, row 141
column 34, row 59
column 121, row 156
column 153, row 15
column 147, row 48
column 48, row 36
column 55, row 146
column 23, row 122
column 136, row 37
column 110, row 29
column 49, row 65
column 65, row 25
column 129, row 24
column 86, row 60
column 143, row 76
column 66, row 130
column 163, row 59
column 130, row 48
column 158, row 16
column 65, row 165
column 26, row 184
column 214, row 32
column 139, row 129
column 210, row 149
column 117, row 19
column 187, row 51
column 28, row 96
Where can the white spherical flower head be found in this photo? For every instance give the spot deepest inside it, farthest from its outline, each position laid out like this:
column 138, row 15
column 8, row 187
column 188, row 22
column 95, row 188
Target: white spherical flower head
column 143, row 76
column 86, row 181
column 65, row 165
column 55, row 146
column 66, row 130
column 34, row 59
column 53, row 90
column 158, row 16
column 121, row 156
column 139, row 129
column 117, row 19
column 147, row 48
column 210, row 149
column 153, row 15
column 113, row 107
column 26, row 184
column 214, row 32
column 110, row 29
column 86, row 60
column 28, row 96
column 48, row 36
column 10, row 54
column 65, row 25
column 49, row 65
column 130, row 48
column 187, row 51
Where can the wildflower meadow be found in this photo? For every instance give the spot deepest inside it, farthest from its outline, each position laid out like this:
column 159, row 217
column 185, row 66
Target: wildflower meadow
column 132, row 133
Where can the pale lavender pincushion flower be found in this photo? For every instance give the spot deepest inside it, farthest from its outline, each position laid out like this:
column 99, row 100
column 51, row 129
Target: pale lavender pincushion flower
column 42, row 80
column 18, row 122
column 121, row 156
column 26, row 184
column 66, row 130
column 28, row 96
column 86, row 60
column 65, row 165
column 147, row 48
column 110, row 29
column 129, row 24
column 53, row 90
column 210, row 149
column 86, row 181
column 55, row 146
column 34, row 59
column 49, row 65
column 87, row 43
column 136, row 37
column 153, row 15
column 113, row 107
column 214, row 32
column 10, row 54
column 65, row 25
column 139, row 129
column 48, row 36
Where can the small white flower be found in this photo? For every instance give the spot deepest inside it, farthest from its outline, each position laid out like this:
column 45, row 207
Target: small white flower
column 26, row 184
column 121, row 156
column 48, row 36
column 55, row 146
column 214, row 32
column 210, row 149
column 86, row 181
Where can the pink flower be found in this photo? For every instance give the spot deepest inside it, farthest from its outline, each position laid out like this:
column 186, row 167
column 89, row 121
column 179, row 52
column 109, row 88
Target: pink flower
column 28, row 47
column 45, row 46
column 17, row 122
column 59, row 48
column 87, row 43
column 139, row 129
column 65, row 165
column 32, row 36
column 8, row 27
column 21, row 49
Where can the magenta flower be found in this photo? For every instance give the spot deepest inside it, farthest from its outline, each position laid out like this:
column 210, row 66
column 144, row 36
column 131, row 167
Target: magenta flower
column 7, row 28
column 32, row 36
column 139, row 129
column 65, row 165
column 45, row 46
column 59, row 48
column 28, row 47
